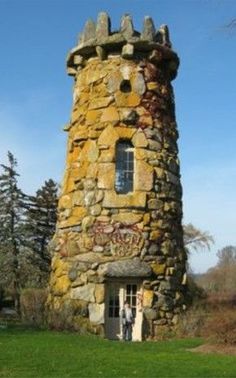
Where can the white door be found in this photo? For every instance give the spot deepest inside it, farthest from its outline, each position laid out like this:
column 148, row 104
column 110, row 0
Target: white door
column 117, row 294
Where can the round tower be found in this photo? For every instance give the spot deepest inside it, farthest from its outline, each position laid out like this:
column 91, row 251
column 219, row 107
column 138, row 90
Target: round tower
column 119, row 234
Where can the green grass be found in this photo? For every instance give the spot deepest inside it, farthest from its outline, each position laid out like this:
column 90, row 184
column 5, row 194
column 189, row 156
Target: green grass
column 29, row 353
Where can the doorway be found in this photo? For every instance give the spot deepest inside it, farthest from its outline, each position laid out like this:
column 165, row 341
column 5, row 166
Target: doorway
column 116, row 295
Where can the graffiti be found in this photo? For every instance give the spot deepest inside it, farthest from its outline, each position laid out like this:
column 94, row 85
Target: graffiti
column 123, row 240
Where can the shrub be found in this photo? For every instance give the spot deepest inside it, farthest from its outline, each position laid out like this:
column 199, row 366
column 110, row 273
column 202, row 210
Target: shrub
column 33, row 306
column 221, row 326
column 192, row 321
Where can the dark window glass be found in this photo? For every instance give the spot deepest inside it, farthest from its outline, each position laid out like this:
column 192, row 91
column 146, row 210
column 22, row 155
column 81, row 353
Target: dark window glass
column 124, row 167
column 125, row 86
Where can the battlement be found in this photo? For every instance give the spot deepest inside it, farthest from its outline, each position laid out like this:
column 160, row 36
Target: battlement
column 97, row 40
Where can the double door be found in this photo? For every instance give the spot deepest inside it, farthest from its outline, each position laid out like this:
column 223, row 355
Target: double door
column 116, row 295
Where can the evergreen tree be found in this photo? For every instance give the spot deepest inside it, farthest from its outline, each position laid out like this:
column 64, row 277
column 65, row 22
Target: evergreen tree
column 40, row 220
column 11, row 208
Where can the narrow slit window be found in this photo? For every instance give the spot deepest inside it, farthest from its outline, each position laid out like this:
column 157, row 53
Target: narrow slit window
column 124, row 167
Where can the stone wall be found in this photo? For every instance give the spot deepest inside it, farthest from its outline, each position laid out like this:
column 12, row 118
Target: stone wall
column 101, row 233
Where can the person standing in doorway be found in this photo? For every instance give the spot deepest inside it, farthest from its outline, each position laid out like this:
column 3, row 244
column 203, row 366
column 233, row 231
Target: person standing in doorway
column 127, row 321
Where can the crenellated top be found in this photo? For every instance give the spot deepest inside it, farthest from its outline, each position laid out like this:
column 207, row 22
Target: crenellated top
column 98, row 40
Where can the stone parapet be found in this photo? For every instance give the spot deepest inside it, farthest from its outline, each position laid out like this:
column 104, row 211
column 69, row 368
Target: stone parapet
column 97, row 40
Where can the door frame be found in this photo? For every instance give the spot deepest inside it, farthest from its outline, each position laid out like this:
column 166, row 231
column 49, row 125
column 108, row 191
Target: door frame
column 112, row 326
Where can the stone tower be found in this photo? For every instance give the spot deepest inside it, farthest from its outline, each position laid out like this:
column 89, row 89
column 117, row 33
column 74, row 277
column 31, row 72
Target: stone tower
column 119, row 234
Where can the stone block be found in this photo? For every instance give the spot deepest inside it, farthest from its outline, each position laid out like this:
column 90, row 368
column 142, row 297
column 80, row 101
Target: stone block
column 102, row 102
column 138, row 83
column 108, row 137
column 89, row 152
column 125, row 132
column 106, row 175
column 139, row 139
column 99, row 293
column 79, row 213
column 114, row 200
column 65, row 202
column 127, row 99
column 96, row 313
column 143, row 176
column 85, row 292
column 110, row 115
column 149, row 313
column 147, row 298
column 158, row 268
column 127, row 218
column 61, row 285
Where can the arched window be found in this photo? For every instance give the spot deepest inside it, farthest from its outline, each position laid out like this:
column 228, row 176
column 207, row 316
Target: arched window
column 124, row 167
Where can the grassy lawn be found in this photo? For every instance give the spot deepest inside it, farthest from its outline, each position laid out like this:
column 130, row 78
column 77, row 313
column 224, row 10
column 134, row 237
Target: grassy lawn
column 29, row 353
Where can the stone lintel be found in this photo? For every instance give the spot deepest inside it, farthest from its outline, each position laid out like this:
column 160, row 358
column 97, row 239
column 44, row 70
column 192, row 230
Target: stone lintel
column 128, row 268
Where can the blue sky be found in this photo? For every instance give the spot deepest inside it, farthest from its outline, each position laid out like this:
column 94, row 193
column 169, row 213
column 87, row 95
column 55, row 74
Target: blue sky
column 36, row 96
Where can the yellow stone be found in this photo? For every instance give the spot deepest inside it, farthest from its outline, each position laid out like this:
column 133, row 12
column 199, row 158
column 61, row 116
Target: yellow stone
column 125, row 132
column 146, row 120
column 78, row 198
column 92, row 170
column 156, row 235
column 160, row 172
column 146, row 219
column 79, row 212
column 143, row 176
column 99, row 293
column 79, row 172
column 107, row 156
column 108, row 137
column 61, row 285
column 69, row 184
column 100, row 102
column 158, row 268
column 60, row 266
column 81, row 134
column 93, row 116
column 127, row 218
column 143, row 154
column 139, row 139
column 106, row 175
column 90, row 151
column 110, row 115
column 127, row 99
column 73, row 155
column 65, row 202
column 147, row 298
column 112, row 199
column 152, row 86
column 79, row 111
